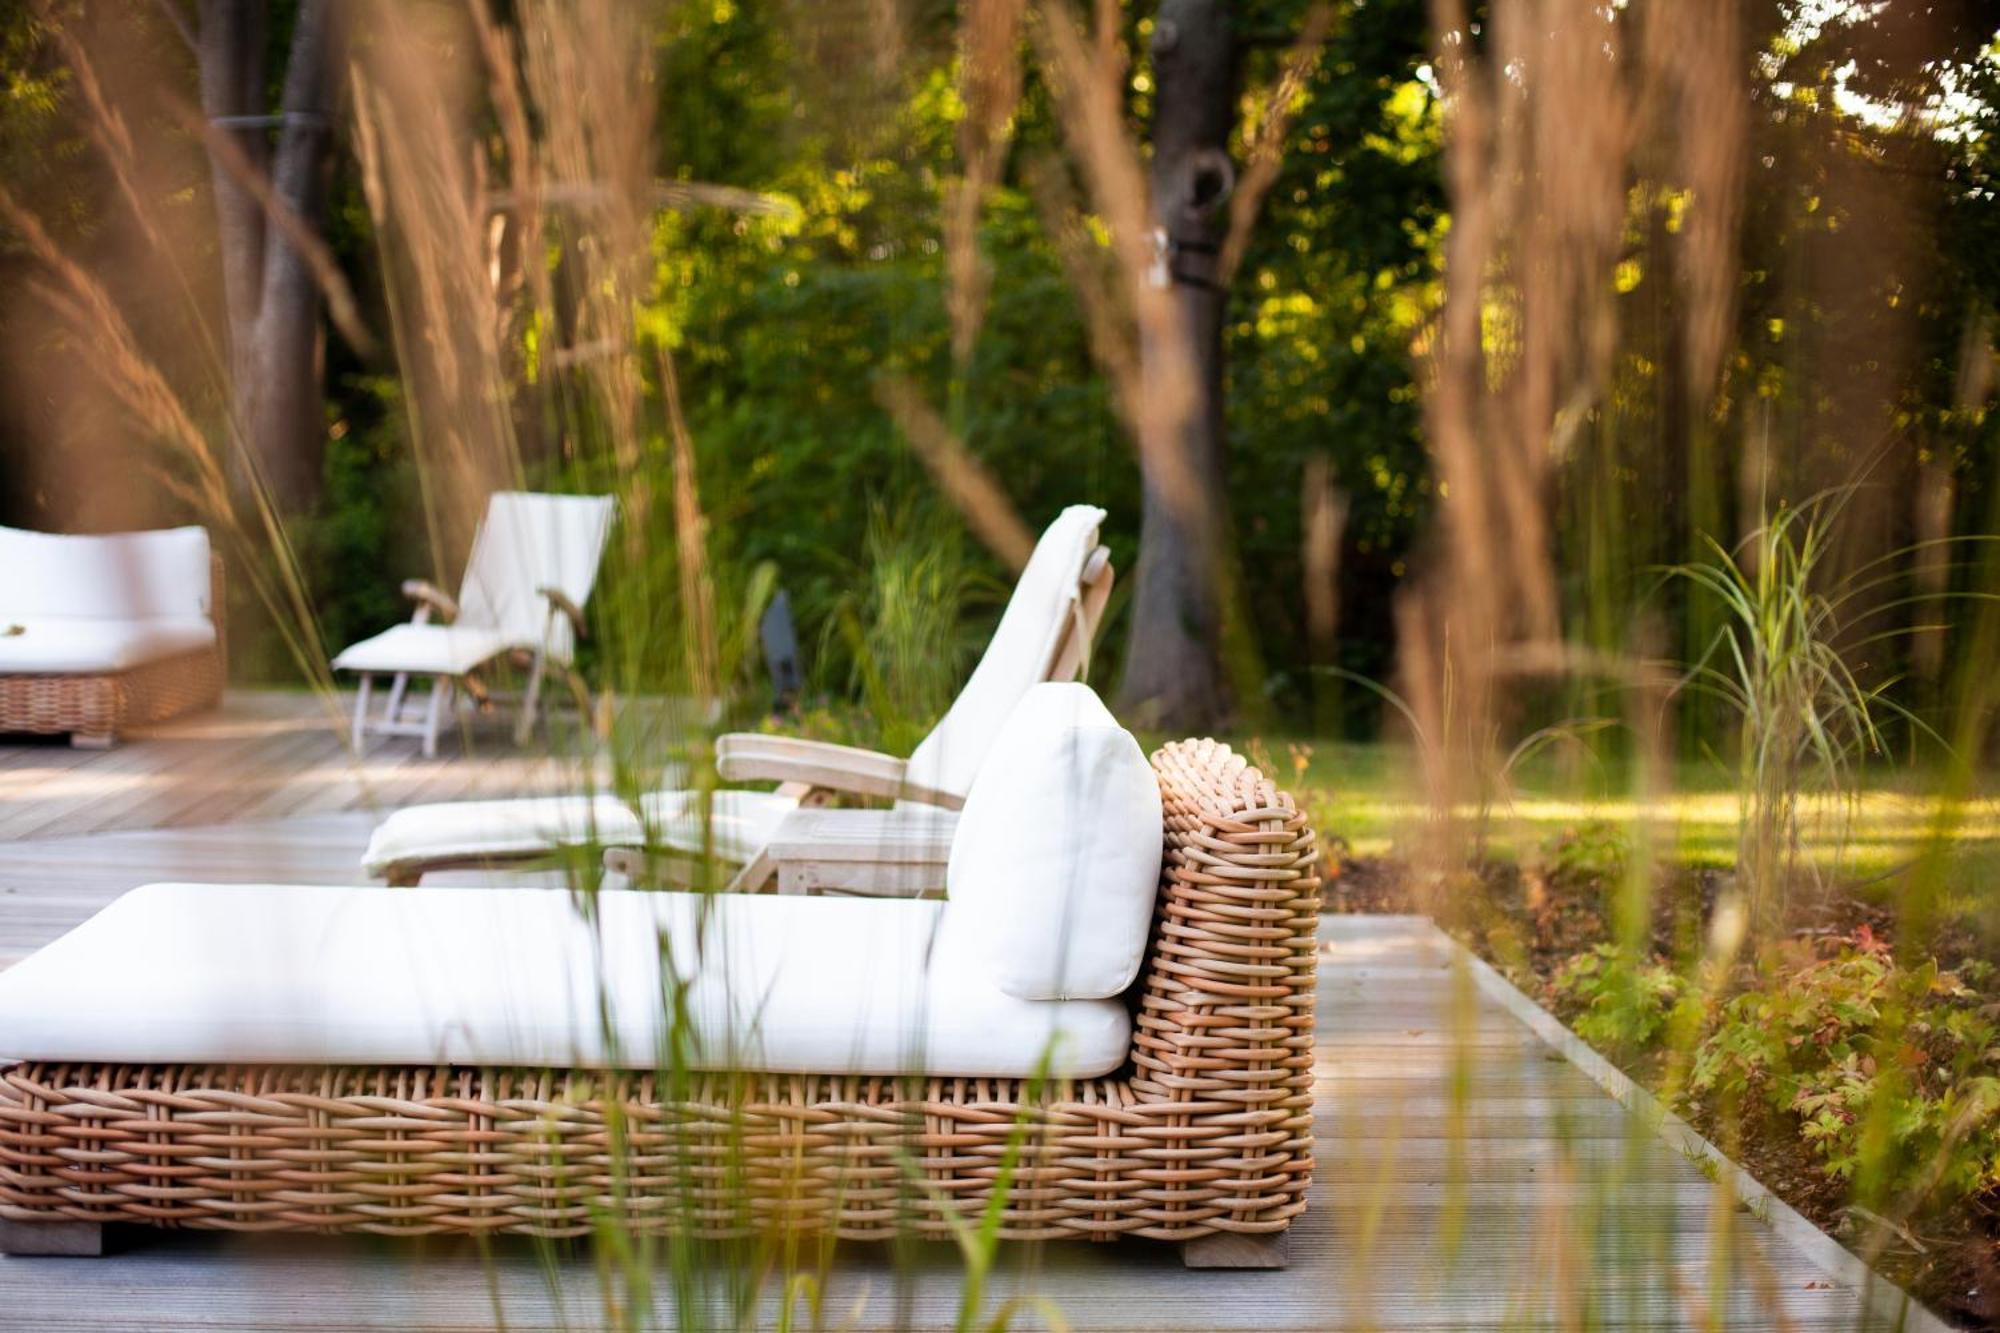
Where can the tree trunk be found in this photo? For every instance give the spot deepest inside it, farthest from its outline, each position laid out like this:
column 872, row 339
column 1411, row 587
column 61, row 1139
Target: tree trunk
column 273, row 300
column 1173, row 667
column 232, row 84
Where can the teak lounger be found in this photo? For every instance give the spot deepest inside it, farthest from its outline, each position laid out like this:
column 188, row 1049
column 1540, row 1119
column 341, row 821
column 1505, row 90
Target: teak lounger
column 1201, row 1134
column 1044, row 634
column 533, row 564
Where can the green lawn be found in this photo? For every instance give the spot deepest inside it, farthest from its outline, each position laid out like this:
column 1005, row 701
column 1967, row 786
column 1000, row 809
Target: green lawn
column 1367, row 794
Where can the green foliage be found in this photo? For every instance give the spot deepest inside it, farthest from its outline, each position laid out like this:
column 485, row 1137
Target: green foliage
column 904, row 633
column 1892, row 1071
column 1627, row 1003
column 367, row 536
column 785, row 324
column 1595, row 852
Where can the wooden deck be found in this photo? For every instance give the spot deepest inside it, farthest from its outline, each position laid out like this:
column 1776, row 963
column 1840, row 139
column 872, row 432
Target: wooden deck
column 267, row 756
column 1474, row 1171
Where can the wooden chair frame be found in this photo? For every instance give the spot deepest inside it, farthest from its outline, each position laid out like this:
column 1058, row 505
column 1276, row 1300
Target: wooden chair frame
column 812, row 772
column 439, row 705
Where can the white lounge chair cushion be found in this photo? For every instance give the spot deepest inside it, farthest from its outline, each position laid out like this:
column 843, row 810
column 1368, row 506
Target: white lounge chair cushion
column 434, row 649
column 740, row 823
column 1056, row 862
column 161, row 575
column 1018, row 655
column 528, row 542
column 290, row 974
column 52, row 646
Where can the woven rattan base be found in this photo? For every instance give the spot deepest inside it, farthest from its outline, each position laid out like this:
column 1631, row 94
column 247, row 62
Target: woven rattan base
column 103, row 705
column 95, row 707
column 1208, row 1130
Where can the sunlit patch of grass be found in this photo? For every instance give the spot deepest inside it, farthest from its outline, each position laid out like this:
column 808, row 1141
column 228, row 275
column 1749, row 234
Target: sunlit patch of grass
column 1361, row 793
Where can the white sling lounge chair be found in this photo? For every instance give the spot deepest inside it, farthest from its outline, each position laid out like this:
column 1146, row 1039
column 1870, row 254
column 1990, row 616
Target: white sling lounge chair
column 533, row 562
column 1043, row 635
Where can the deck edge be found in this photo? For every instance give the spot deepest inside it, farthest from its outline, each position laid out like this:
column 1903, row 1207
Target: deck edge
column 1881, row 1298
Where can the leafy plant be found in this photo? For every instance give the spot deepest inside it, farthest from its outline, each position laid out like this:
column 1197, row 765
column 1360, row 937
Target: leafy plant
column 904, row 630
column 1594, row 852
column 1892, row 1071
column 1628, row 1002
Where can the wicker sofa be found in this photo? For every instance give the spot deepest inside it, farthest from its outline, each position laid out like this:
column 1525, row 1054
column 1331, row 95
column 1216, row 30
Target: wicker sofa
column 1202, row 1134
column 98, row 633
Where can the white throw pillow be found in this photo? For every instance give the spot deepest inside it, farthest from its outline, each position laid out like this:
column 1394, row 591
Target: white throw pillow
column 1056, row 860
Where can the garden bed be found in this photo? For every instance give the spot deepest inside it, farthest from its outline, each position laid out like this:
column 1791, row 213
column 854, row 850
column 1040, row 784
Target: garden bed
column 1549, row 930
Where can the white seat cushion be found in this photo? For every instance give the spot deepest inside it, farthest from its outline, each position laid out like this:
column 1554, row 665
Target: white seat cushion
column 436, row 650
column 59, row 646
column 1055, row 866
column 293, row 974
column 740, row 823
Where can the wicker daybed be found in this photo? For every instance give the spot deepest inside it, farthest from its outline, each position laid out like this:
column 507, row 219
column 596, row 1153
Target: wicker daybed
column 1203, row 1135
column 98, row 633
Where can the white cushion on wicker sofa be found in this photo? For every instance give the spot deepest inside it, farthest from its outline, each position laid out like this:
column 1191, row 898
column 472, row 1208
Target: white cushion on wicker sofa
column 41, row 645
column 740, row 823
column 85, row 605
column 1055, row 863
column 123, row 576
column 287, row 974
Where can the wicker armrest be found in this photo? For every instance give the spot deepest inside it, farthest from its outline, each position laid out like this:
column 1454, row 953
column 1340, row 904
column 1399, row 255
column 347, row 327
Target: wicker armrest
column 428, row 596
column 558, row 599
column 746, row 756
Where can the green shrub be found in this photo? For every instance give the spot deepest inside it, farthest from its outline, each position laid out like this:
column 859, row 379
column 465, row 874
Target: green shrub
column 1594, row 852
column 1627, row 1003
column 1892, row 1071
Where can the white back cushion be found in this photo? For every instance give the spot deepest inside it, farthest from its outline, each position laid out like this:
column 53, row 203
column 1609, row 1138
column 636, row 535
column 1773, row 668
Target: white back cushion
column 117, row 576
column 1017, row 657
column 1056, row 860
column 527, row 542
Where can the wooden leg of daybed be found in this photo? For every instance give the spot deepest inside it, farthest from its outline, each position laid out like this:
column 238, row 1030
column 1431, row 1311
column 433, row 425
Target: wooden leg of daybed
column 1230, row 1249
column 90, row 740
column 83, row 1240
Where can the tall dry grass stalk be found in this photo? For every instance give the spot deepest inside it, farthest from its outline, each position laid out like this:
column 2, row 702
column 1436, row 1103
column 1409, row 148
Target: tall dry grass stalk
column 966, row 482
column 1087, row 71
column 428, row 193
column 1549, row 112
column 1271, row 127
column 990, row 86
column 550, row 370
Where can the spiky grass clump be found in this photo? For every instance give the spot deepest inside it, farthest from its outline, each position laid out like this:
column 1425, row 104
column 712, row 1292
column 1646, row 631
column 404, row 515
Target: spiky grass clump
column 1805, row 722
